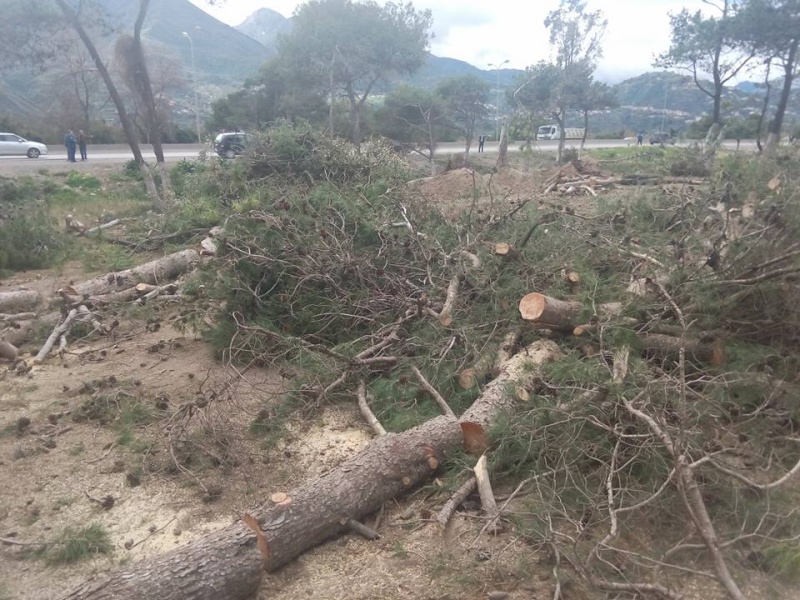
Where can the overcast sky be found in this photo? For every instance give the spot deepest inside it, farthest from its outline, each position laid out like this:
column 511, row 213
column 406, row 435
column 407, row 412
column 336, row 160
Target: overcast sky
column 484, row 32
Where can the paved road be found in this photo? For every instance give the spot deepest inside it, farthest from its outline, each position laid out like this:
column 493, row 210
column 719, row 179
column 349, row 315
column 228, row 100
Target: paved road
column 118, row 153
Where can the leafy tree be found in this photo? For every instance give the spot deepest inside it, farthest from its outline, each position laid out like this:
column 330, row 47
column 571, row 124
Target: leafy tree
column 416, row 117
column 596, row 96
column 709, row 45
column 276, row 93
column 771, row 28
column 576, row 36
column 347, row 47
column 743, row 128
column 548, row 92
column 466, row 98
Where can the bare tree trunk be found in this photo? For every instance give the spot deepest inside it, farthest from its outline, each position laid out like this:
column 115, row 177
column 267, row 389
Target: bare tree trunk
column 130, row 134
column 585, row 128
column 226, row 565
column 774, row 135
column 562, row 138
column 146, row 91
column 764, row 108
column 502, row 158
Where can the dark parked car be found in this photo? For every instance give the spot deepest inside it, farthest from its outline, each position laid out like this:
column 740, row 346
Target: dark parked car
column 230, row 143
column 661, row 137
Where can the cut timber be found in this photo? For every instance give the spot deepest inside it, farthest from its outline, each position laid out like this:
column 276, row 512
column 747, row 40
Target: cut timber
column 506, row 250
column 549, row 312
column 657, row 345
column 571, row 278
column 226, row 565
column 154, row 272
column 561, row 315
column 12, row 302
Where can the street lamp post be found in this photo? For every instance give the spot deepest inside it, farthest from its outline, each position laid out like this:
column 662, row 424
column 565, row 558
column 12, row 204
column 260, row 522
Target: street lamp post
column 194, row 82
column 497, row 89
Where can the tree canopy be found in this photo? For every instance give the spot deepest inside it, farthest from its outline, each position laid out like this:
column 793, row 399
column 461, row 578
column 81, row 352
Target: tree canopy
column 347, row 47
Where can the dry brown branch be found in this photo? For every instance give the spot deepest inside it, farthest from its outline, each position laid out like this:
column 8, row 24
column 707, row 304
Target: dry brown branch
column 363, row 530
column 446, row 316
column 368, row 415
column 99, row 228
column 485, row 490
column 61, row 329
column 433, row 392
column 455, row 501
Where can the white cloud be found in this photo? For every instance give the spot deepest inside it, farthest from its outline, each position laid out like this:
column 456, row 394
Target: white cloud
column 483, row 32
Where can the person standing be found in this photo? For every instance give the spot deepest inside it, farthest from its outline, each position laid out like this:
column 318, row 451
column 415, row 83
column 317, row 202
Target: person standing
column 70, row 142
column 481, row 142
column 82, row 138
column 639, row 139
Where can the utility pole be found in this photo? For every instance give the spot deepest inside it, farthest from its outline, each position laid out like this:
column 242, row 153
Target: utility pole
column 194, row 82
column 497, row 102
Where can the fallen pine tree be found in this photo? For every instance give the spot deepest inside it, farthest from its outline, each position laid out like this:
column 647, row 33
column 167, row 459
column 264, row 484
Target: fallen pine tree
column 228, row 564
column 137, row 284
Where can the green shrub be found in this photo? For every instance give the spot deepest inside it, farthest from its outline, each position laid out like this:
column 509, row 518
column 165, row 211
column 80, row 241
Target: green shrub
column 83, row 181
column 75, row 544
column 29, row 240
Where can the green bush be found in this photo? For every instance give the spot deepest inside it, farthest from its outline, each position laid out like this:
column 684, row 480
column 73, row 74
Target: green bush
column 75, row 544
column 29, row 240
column 83, row 181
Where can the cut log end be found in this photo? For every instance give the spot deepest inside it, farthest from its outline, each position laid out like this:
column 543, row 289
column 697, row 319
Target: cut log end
column 532, row 306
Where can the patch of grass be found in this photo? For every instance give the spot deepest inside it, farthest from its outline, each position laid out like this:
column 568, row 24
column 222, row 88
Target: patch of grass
column 75, row 544
column 83, row 181
column 399, row 550
column 77, row 450
column 63, row 503
column 105, row 257
column 783, row 559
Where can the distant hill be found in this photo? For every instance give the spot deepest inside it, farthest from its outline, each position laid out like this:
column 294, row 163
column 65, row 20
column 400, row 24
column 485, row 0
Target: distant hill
column 264, row 26
column 225, row 56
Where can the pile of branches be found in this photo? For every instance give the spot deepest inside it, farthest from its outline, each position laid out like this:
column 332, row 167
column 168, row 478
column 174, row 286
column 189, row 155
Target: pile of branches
column 668, row 406
column 363, row 288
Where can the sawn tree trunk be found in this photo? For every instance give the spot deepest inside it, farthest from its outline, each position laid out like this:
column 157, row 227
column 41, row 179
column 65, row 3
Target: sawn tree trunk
column 226, row 565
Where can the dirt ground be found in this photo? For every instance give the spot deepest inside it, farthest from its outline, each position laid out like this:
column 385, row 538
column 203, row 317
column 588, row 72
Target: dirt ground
column 57, row 465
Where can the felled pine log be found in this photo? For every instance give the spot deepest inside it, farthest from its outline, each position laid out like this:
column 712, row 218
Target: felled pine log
column 560, row 315
column 155, row 272
column 19, row 300
column 228, row 564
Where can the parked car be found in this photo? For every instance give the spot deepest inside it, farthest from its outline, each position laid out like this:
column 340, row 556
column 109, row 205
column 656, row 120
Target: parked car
column 230, row 143
column 661, row 137
column 12, row 144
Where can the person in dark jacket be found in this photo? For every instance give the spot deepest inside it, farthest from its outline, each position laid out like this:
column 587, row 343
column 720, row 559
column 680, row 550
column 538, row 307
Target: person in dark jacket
column 82, row 139
column 481, row 142
column 70, row 142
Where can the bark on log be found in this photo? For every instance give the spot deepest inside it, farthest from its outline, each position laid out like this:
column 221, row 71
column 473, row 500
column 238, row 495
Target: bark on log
column 657, row 345
column 155, row 272
column 20, row 300
column 226, row 565
column 559, row 315
column 548, row 312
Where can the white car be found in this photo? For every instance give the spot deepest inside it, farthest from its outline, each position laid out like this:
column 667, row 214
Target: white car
column 12, row 144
